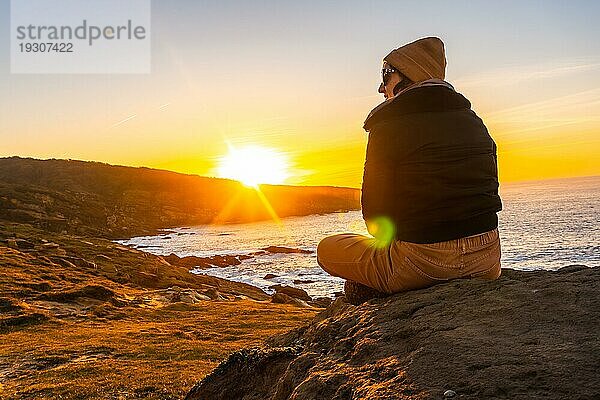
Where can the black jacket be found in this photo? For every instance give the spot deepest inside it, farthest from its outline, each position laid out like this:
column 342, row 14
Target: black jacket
column 430, row 168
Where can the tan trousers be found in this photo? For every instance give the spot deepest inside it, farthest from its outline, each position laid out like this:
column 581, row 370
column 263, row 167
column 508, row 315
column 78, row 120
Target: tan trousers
column 402, row 266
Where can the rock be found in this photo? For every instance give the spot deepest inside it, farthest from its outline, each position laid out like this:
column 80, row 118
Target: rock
column 96, row 292
column 249, row 363
column 282, row 298
column 20, row 244
column 528, row 334
column 8, row 305
column 302, row 281
column 62, row 262
column 214, row 294
column 281, row 249
column 292, row 292
column 449, row 393
column 321, row 302
column 203, row 262
column 357, row 293
column 39, row 286
column 145, row 279
column 259, row 253
column 187, row 261
column 10, row 323
column 192, row 297
column 103, row 257
column 224, row 261
column 269, row 276
column 73, row 261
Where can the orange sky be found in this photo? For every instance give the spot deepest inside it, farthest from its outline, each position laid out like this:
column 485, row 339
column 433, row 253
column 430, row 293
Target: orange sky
column 263, row 76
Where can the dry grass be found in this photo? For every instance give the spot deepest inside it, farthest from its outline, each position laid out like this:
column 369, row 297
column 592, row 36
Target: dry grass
column 86, row 319
column 155, row 353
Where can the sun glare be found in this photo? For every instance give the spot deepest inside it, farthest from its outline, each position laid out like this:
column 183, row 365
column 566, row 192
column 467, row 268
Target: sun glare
column 252, row 165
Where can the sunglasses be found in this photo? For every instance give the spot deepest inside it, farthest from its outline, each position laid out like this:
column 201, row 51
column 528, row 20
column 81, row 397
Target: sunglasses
column 386, row 73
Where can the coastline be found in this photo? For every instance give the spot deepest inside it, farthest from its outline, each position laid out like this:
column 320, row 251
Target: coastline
column 85, row 309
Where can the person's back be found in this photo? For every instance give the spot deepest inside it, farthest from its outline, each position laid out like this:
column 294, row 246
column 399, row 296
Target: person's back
column 430, row 185
column 430, row 167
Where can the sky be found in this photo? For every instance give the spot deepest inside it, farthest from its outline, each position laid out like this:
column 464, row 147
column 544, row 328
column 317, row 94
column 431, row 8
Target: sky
column 299, row 78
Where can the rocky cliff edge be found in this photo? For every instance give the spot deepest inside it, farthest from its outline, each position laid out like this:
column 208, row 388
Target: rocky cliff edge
column 527, row 335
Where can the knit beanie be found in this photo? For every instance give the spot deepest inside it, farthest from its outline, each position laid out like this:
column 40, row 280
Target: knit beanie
column 420, row 60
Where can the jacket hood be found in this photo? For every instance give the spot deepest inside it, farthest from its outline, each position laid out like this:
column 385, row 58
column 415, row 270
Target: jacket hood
column 417, row 100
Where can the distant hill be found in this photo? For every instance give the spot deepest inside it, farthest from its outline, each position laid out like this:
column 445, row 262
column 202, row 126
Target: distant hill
column 104, row 200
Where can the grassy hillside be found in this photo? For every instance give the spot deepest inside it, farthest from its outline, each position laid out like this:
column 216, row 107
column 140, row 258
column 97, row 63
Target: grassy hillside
column 103, row 200
column 86, row 318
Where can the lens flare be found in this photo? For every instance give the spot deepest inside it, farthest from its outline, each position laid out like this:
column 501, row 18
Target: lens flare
column 383, row 230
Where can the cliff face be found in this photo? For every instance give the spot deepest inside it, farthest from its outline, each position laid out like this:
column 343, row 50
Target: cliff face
column 528, row 335
column 95, row 199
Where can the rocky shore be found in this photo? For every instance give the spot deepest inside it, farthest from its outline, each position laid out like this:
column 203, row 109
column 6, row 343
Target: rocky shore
column 528, row 335
column 84, row 310
column 82, row 317
column 227, row 260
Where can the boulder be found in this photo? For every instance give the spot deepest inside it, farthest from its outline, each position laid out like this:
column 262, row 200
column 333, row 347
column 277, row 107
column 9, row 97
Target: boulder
column 20, row 244
column 282, row 298
column 281, row 249
column 303, row 281
column 292, row 292
column 223, row 260
column 187, row 261
column 214, row 294
column 96, row 292
column 321, row 302
column 527, row 335
column 191, row 296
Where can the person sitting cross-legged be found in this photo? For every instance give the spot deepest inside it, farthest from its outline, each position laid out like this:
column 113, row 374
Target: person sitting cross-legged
column 430, row 186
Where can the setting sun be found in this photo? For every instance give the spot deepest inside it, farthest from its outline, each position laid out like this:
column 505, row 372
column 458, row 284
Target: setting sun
column 252, row 165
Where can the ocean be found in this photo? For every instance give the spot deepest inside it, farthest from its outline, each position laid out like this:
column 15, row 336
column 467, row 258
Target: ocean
column 544, row 225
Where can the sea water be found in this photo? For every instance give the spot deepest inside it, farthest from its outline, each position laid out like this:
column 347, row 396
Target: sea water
column 544, row 225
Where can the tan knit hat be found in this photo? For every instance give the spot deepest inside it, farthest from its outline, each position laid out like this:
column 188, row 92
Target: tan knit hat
column 420, row 60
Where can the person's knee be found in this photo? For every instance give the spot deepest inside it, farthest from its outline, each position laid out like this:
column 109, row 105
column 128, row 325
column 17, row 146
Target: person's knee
column 326, row 250
column 326, row 246
column 330, row 254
